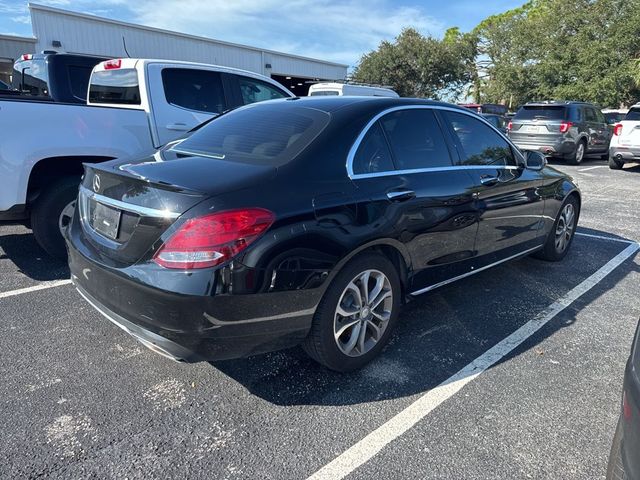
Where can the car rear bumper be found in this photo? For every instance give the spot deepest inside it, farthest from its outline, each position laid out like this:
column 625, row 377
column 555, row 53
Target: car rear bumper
column 190, row 326
column 560, row 146
column 625, row 154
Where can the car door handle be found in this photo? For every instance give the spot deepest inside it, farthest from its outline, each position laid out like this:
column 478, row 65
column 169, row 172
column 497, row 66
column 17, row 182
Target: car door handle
column 180, row 127
column 489, row 180
column 401, row 195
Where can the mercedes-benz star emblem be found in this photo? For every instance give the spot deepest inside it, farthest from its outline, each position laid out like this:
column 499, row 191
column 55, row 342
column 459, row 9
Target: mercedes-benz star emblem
column 96, row 183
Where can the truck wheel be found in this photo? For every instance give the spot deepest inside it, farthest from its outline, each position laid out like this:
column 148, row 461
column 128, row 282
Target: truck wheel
column 356, row 315
column 615, row 164
column 576, row 157
column 51, row 211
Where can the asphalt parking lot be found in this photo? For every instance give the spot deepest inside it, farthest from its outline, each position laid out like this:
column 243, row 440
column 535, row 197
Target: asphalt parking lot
column 80, row 398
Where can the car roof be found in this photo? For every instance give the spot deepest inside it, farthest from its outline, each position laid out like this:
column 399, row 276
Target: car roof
column 332, row 103
column 555, row 103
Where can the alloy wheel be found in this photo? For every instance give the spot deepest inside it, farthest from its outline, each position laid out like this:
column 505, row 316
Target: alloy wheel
column 579, row 152
column 66, row 215
column 363, row 312
column 565, row 227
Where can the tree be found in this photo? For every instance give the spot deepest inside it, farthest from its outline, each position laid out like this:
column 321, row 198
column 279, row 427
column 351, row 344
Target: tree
column 418, row 66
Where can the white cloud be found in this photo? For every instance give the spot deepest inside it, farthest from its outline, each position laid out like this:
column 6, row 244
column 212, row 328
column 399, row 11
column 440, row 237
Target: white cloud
column 26, row 19
column 338, row 31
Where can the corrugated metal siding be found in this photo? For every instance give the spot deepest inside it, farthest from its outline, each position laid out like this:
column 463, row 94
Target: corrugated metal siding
column 12, row 47
column 96, row 36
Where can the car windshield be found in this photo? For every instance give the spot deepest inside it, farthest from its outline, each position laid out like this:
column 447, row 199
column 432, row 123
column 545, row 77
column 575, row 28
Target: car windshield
column 264, row 133
column 544, row 112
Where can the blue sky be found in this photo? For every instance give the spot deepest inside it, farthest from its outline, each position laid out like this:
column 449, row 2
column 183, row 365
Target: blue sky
column 340, row 30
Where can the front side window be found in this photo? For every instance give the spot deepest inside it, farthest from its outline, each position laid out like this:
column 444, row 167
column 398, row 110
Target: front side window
column 416, row 139
column 115, row 86
column 478, row 144
column 199, row 90
column 253, row 91
column 373, row 155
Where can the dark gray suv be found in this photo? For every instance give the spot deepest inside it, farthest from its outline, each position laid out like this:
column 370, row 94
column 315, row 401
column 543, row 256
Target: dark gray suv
column 568, row 130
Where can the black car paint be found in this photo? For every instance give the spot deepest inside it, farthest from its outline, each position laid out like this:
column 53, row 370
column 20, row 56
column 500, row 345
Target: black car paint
column 265, row 298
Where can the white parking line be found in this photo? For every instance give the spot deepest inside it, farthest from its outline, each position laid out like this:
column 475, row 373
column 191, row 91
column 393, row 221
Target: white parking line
column 370, row 445
column 604, row 237
column 40, row 286
column 591, row 168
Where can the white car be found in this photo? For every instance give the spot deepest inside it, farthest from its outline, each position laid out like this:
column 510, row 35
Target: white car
column 350, row 89
column 625, row 143
column 134, row 105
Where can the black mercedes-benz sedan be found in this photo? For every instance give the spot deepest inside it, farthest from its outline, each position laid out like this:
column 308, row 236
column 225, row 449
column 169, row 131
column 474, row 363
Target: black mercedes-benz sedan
column 624, row 460
column 308, row 221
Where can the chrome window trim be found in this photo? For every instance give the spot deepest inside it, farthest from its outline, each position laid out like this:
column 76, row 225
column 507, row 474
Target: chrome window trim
column 378, row 116
column 473, row 272
column 128, row 207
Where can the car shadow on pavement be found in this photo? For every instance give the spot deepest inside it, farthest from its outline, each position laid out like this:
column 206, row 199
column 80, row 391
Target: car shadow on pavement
column 30, row 259
column 440, row 333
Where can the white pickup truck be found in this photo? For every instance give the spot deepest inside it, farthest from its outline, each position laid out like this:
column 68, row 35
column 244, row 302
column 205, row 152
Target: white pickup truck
column 625, row 143
column 133, row 106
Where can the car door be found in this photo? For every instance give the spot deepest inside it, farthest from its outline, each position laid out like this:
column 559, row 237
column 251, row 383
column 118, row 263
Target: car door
column 508, row 204
column 428, row 204
column 605, row 131
column 182, row 97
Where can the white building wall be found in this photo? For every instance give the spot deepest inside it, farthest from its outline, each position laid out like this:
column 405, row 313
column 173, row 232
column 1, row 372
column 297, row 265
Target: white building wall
column 12, row 47
column 80, row 33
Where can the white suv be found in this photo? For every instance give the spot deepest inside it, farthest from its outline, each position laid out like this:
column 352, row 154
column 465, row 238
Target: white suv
column 625, row 143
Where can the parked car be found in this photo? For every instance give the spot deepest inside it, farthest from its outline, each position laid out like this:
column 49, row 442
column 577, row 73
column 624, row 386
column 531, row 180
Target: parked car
column 492, row 108
column 349, row 89
column 613, row 116
column 308, row 221
column 498, row 121
column 58, row 77
column 625, row 143
column 568, row 130
column 134, row 105
column 624, row 461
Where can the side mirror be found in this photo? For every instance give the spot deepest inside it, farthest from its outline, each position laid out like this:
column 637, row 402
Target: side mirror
column 534, row 160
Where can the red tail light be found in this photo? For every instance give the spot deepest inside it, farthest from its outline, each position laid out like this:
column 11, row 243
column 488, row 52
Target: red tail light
column 510, row 126
column 27, row 56
column 112, row 64
column 213, row 239
column 565, row 126
column 617, row 130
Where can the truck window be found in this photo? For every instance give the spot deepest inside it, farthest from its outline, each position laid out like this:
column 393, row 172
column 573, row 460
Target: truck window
column 115, row 86
column 79, row 80
column 199, row 90
column 320, row 93
column 30, row 77
column 257, row 91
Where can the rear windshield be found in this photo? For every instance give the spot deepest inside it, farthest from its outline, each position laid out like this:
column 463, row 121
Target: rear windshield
column 633, row 114
column 322, row 93
column 543, row 112
column 262, row 133
column 115, row 86
column 30, row 77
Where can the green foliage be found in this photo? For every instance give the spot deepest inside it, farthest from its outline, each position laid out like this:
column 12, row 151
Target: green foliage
column 419, row 66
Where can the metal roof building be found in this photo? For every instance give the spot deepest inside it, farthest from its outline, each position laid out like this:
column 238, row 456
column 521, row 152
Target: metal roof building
column 66, row 31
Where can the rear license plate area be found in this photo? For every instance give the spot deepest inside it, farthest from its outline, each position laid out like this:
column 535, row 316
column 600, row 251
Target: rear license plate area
column 105, row 220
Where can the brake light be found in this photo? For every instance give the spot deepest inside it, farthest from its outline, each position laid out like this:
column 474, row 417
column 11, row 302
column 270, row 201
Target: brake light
column 112, row 64
column 27, row 56
column 617, row 130
column 565, row 126
column 213, row 239
column 509, row 125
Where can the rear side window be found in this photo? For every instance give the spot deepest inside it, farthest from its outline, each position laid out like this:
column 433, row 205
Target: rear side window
column 115, row 86
column 373, row 155
column 479, row 144
column 590, row 115
column 31, row 77
column 323, row 93
column 416, row 139
column 260, row 134
column 254, row 90
column 542, row 112
column 193, row 89
column 79, row 80
column 633, row 114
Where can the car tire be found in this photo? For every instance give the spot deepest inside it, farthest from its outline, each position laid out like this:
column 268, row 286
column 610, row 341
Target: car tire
column 615, row 164
column 615, row 467
column 47, row 215
column 562, row 232
column 338, row 341
column 576, row 157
